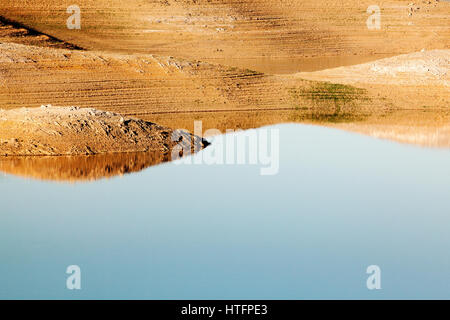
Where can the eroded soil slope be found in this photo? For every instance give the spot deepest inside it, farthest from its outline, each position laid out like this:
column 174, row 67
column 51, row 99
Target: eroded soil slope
column 242, row 32
column 51, row 130
column 37, row 68
column 419, row 85
column 129, row 84
column 430, row 68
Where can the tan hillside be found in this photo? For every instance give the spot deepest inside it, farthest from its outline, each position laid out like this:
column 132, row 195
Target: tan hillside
column 51, row 130
column 247, row 33
column 158, row 60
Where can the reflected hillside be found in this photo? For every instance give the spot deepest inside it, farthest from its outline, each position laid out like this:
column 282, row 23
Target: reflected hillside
column 426, row 127
column 423, row 127
column 80, row 168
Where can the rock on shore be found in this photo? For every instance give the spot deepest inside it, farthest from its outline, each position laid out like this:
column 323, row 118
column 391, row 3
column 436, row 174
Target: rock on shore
column 50, row 130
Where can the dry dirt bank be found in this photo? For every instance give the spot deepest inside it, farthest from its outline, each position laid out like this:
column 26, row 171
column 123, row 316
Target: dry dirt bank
column 174, row 92
column 141, row 85
column 12, row 31
column 243, row 32
column 129, row 84
column 424, row 68
column 411, row 81
column 417, row 82
column 51, row 130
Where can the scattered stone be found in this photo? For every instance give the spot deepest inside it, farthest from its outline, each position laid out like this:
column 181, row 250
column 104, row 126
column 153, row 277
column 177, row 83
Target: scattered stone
column 51, row 130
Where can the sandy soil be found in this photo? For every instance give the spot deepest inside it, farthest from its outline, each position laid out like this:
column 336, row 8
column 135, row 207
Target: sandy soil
column 227, row 31
column 430, row 68
column 51, row 130
column 129, row 84
column 409, row 81
column 158, row 60
column 420, row 84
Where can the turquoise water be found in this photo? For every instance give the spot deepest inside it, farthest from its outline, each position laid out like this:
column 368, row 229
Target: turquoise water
column 340, row 203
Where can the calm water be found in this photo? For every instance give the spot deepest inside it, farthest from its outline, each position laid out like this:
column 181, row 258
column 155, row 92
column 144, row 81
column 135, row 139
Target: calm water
column 340, row 203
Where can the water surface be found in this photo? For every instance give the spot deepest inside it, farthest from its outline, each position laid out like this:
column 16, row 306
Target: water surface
column 340, row 203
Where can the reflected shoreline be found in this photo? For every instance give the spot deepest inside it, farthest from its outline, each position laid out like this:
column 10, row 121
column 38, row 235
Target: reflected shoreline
column 82, row 168
column 423, row 128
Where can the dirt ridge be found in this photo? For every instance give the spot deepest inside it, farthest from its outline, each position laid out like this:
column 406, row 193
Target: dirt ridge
column 50, row 130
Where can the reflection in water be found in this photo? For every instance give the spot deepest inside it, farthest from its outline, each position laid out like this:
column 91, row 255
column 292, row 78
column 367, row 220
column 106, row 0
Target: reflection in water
column 424, row 127
column 427, row 136
column 80, row 168
column 340, row 203
column 429, row 128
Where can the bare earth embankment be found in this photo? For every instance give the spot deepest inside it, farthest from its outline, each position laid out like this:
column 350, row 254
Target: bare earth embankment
column 427, row 68
column 51, row 130
column 420, row 84
column 271, row 36
column 158, row 60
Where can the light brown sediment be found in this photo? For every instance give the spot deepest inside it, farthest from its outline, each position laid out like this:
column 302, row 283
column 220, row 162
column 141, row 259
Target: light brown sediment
column 173, row 62
column 226, row 31
column 52, row 130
